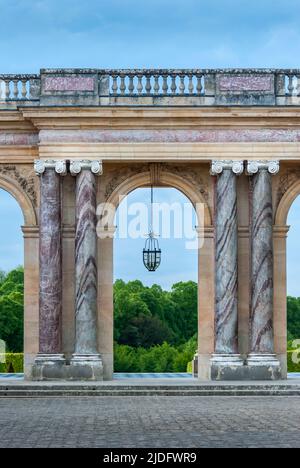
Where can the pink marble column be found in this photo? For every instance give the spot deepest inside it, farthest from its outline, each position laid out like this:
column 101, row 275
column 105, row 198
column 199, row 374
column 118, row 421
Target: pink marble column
column 226, row 263
column 50, row 256
column 50, row 266
column 261, row 306
column 86, row 360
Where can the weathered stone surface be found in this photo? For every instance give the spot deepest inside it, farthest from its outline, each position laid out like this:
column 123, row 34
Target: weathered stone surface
column 166, row 135
column 69, row 83
column 241, row 83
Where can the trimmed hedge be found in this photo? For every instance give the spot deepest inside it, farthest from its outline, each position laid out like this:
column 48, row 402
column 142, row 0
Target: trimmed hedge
column 13, row 363
column 292, row 366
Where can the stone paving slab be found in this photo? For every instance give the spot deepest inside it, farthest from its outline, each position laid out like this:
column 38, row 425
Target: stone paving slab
column 158, row 422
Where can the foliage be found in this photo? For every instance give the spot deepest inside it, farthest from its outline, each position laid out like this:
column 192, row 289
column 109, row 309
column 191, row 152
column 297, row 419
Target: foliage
column 13, row 363
column 293, row 366
column 155, row 330
column 293, row 318
column 11, row 309
column 148, row 316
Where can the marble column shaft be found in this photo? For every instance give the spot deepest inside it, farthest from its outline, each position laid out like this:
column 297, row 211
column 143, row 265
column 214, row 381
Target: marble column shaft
column 261, row 314
column 50, row 260
column 86, row 269
column 226, row 320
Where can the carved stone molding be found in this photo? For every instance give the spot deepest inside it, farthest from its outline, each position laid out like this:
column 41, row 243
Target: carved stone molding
column 271, row 166
column 24, row 177
column 41, row 165
column 124, row 173
column 217, row 167
column 77, row 166
column 191, row 174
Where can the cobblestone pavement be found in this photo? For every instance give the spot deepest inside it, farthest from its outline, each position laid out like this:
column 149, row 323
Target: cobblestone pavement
column 175, row 422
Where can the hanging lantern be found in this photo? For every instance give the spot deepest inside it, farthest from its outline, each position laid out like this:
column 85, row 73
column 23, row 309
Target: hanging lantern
column 151, row 251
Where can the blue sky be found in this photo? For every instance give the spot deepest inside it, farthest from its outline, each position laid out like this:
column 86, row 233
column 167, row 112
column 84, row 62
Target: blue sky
column 155, row 33
column 38, row 34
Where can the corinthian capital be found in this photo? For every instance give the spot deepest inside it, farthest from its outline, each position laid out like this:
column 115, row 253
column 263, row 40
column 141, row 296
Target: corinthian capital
column 76, row 166
column 40, row 165
column 217, row 167
column 254, row 166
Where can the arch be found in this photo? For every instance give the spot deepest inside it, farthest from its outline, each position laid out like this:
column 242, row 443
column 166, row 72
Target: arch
column 167, row 179
column 285, row 204
column 22, row 199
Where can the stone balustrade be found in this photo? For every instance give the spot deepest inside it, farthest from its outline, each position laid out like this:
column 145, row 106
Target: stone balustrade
column 19, row 88
column 194, row 87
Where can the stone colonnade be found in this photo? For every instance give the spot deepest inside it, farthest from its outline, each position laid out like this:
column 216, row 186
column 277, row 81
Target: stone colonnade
column 226, row 362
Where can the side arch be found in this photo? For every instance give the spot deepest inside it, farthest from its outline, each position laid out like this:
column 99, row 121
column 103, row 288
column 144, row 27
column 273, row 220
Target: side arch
column 285, row 204
column 28, row 210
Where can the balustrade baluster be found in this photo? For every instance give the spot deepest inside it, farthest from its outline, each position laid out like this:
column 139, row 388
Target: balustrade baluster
column 182, row 84
column 199, row 84
column 140, row 84
column 173, row 84
column 291, row 85
column 148, row 84
column 122, row 85
column 7, row 89
column 24, row 89
column 191, row 84
column 115, row 84
column 165, row 85
column 156, row 84
column 16, row 90
column 131, row 84
column 298, row 85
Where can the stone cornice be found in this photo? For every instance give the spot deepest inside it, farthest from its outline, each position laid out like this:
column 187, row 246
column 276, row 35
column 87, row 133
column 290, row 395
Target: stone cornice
column 218, row 166
column 10, row 154
column 158, row 117
column 171, row 151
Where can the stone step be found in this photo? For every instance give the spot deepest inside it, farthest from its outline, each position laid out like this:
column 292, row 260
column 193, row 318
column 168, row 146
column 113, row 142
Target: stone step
column 29, row 392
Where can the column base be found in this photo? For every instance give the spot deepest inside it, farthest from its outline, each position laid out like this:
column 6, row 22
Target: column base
column 49, row 367
column 86, row 367
column 263, row 367
column 227, row 367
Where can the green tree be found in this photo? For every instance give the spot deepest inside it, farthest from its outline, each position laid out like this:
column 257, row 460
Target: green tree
column 293, row 318
column 11, row 309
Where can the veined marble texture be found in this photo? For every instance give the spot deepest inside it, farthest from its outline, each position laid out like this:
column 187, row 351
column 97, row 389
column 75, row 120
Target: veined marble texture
column 261, row 315
column 86, row 269
column 50, row 263
column 226, row 264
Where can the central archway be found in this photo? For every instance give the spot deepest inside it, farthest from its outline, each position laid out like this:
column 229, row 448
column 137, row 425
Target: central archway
column 205, row 268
